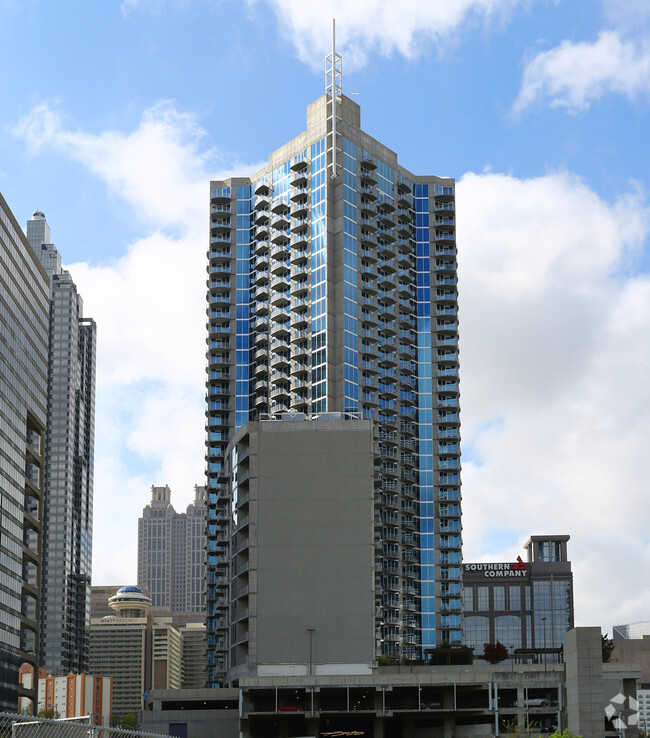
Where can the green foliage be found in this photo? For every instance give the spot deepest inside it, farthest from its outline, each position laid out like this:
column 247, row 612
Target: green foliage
column 511, row 728
column 385, row 661
column 50, row 713
column 128, row 721
column 608, row 648
column 565, row 734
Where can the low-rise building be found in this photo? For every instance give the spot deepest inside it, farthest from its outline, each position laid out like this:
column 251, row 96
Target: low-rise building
column 440, row 702
column 71, row 695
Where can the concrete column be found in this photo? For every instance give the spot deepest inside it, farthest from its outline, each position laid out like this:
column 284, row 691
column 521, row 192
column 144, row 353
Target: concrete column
column 583, row 660
column 409, row 728
column 449, row 726
column 379, row 727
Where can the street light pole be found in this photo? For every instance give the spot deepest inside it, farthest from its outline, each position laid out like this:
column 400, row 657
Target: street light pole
column 544, row 624
column 311, row 632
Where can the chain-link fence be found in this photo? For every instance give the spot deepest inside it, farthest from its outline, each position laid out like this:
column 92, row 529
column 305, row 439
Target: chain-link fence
column 25, row 726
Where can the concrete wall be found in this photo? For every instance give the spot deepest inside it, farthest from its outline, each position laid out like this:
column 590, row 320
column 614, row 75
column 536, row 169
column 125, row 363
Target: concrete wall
column 636, row 651
column 584, row 682
column 315, row 539
column 206, row 713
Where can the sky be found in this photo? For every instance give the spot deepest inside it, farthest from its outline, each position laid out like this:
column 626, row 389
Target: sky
column 115, row 116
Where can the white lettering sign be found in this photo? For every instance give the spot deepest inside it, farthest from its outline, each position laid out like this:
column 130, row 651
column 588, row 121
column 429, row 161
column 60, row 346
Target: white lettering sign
column 498, row 570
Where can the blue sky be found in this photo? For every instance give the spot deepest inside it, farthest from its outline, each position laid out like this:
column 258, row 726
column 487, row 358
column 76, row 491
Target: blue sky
column 116, row 115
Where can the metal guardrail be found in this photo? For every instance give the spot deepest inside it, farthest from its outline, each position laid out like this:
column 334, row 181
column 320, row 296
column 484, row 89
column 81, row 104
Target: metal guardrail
column 26, row 726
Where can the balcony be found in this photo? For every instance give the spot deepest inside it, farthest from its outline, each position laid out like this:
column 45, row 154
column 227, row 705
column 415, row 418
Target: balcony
column 300, row 179
column 301, row 351
column 300, row 367
column 299, row 209
column 280, row 330
column 261, row 308
column 299, row 401
column 280, row 393
column 261, row 263
column 281, row 282
column 262, row 188
column 262, row 202
column 279, row 361
column 261, row 247
column 405, row 199
column 300, row 320
column 261, row 232
column 260, row 326
column 299, row 194
column 282, row 238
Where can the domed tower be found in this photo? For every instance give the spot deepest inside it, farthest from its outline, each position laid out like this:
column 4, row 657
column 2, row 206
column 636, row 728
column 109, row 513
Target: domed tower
column 130, row 602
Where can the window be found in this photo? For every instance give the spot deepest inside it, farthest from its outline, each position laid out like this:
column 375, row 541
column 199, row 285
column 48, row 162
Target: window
column 515, row 597
column 483, row 598
column 500, row 598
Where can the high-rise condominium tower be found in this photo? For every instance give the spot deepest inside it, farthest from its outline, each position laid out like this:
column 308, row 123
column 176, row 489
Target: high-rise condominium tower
column 24, row 307
column 171, row 554
column 68, row 520
column 332, row 288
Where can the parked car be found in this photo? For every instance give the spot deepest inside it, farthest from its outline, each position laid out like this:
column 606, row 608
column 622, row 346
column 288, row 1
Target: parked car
column 431, row 705
column 534, row 702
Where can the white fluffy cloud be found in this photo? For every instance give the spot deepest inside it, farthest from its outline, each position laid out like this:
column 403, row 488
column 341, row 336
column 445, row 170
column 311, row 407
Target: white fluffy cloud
column 149, row 305
column 384, row 27
column 555, row 339
column 573, row 75
column 555, row 327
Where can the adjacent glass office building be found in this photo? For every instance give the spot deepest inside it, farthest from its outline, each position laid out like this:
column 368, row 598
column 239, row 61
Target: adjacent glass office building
column 24, row 324
column 332, row 288
column 69, row 466
column 527, row 606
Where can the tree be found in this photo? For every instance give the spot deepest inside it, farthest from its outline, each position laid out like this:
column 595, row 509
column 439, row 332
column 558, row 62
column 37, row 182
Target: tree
column 512, row 728
column 494, row 653
column 128, row 721
column 608, row 648
column 566, row 734
column 445, row 654
column 50, row 713
column 385, row 660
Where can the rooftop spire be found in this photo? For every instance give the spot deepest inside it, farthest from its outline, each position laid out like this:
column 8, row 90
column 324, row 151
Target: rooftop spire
column 333, row 79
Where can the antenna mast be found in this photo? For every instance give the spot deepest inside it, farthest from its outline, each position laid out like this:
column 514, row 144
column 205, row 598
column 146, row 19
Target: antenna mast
column 333, row 75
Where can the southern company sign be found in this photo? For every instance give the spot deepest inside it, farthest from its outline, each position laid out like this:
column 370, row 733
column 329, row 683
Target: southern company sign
column 518, row 569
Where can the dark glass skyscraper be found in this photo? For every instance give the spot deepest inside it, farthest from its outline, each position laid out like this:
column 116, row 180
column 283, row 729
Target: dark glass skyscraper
column 67, row 528
column 332, row 288
column 24, row 306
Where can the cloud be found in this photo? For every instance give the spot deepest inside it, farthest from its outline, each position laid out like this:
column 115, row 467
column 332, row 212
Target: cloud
column 574, row 75
column 149, row 305
column 555, row 354
column 379, row 27
column 159, row 169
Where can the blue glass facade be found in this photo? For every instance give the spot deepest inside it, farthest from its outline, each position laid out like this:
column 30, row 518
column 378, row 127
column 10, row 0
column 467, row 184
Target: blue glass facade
column 345, row 300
